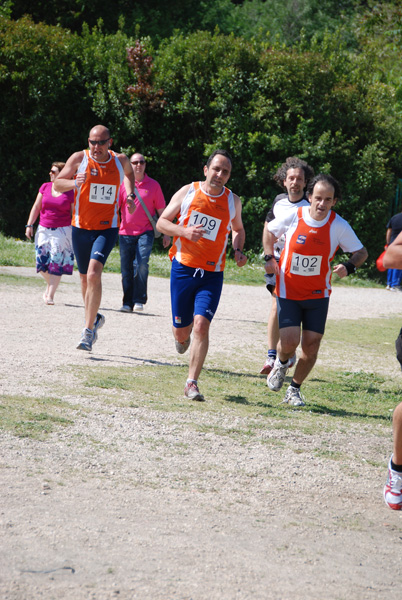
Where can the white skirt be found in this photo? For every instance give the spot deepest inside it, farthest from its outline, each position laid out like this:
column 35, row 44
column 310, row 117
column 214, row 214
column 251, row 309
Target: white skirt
column 54, row 250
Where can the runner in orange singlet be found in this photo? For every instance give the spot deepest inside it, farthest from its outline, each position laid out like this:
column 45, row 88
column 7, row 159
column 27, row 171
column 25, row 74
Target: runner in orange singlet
column 207, row 212
column 95, row 176
column 303, row 283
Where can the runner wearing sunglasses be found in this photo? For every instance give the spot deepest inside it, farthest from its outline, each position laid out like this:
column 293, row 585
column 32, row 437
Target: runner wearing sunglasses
column 95, row 175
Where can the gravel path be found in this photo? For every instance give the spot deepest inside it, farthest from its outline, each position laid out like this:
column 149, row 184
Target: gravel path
column 143, row 504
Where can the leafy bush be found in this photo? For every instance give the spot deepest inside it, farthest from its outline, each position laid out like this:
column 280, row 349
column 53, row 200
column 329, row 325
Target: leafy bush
column 198, row 92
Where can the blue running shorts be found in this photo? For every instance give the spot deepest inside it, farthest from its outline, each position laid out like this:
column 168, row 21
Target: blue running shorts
column 193, row 292
column 96, row 244
column 311, row 313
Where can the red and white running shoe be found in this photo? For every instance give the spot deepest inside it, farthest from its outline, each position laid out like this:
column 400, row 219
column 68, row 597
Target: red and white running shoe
column 268, row 365
column 393, row 489
column 191, row 391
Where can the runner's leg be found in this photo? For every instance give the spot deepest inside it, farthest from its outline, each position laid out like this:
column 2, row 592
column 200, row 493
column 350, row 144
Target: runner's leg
column 310, row 344
column 199, row 346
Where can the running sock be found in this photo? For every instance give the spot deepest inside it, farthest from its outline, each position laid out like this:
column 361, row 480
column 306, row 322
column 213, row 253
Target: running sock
column 295, row 385
column 191, row 381
column 271, row 353
column 397, row 468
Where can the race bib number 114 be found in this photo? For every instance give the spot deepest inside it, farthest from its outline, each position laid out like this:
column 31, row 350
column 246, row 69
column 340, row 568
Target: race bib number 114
column 102, row 194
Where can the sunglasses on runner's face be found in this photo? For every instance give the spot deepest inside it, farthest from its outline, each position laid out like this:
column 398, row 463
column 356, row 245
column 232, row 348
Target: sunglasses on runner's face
column 54, row 172
column 98, row 142
column 138, row 162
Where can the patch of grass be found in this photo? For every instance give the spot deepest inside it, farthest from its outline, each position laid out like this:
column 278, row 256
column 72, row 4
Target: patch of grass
column 21, row 253
column 357, row 397
column 34, row 417
column 16, row 253
column 356, row 281
column 367, row 334
column 332, row 454
column 22, row 280
column 118, row 380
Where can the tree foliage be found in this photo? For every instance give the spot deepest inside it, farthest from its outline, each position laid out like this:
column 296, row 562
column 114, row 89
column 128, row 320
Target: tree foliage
column 54, row 87
column 332, row 99
column 287, row 21
column 35, row 73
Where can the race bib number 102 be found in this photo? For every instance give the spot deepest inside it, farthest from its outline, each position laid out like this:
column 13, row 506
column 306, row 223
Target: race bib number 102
column 102, row 194
column 305, row 265
column 210, row 224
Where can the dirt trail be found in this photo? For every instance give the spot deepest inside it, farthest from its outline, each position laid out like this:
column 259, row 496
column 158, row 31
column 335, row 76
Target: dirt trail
column 131, row 503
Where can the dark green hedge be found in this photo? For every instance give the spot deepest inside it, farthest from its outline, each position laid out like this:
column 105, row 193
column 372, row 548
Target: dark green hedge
column 193, row 94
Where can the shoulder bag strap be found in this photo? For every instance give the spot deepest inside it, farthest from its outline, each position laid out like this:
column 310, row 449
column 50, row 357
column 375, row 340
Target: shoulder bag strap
column 141, row 201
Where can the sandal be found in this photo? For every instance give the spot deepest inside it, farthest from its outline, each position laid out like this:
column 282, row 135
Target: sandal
column 47, row 300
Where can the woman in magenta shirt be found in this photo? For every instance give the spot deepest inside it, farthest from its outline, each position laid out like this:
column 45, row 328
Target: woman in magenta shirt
column 53, row 245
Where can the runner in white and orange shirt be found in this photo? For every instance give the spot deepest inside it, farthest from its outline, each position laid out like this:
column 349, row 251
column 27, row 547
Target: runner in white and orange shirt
column 303, row 283
column 207, row 212
column 293, row 175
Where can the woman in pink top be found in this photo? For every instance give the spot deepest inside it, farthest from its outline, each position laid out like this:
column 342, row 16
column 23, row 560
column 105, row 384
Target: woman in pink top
column 53, row 245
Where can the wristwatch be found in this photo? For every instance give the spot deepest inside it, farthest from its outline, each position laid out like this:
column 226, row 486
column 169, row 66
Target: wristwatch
column 268, row 257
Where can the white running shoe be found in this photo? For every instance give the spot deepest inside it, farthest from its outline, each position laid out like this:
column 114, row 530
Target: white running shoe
column 182, row 347
column 268, row 365
column 126, row 309
column 294, row 397
column 393, row 489
column 192, row 392
column 292, row 360
column 138, row 307
column 277, row 376
column 86, row 340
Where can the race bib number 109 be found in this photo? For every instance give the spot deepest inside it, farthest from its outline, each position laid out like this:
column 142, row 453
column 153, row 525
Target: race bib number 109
column 102, row 194
column 305, row 265
column 209, row 224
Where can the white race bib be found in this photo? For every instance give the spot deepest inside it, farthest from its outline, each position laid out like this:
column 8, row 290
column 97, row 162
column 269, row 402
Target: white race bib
column 102, row 194
column 305, row 265
column 210, row 224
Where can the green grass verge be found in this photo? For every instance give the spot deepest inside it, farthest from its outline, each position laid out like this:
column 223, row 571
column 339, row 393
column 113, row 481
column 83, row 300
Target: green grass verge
column 18, row 253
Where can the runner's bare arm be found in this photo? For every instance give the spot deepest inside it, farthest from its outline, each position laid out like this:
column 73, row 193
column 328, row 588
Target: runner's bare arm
column 129, row 181
column 393, row 254
column 33, row 215
column 238, row 234
column 65, row 181
column 271, row 266
column 356, row 260
column 166, row 240
column 165, row 222
column 265, row 241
